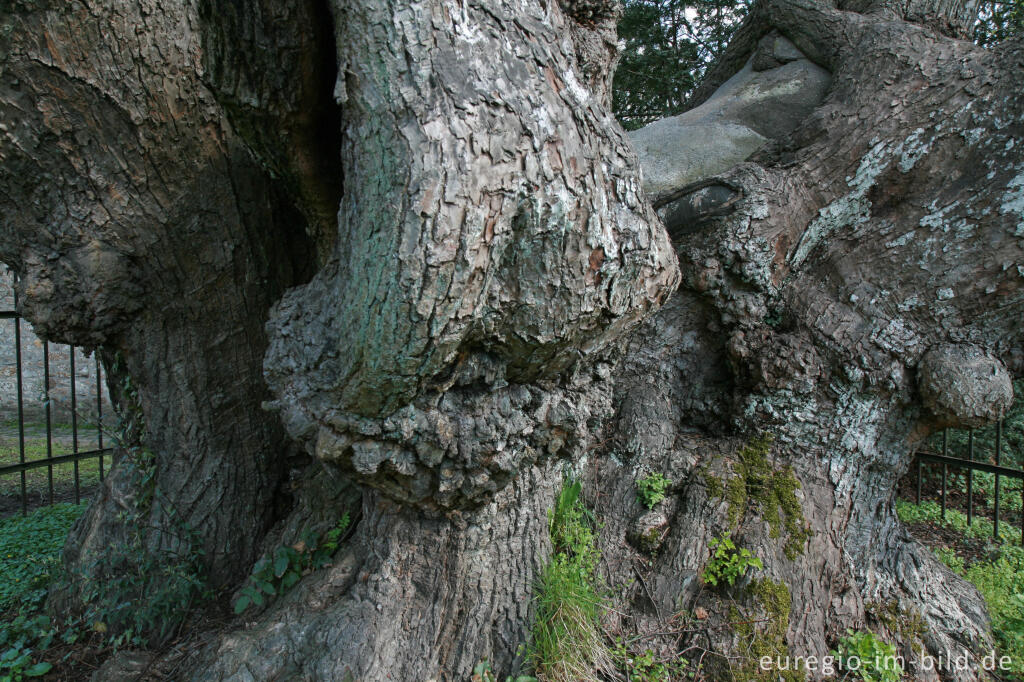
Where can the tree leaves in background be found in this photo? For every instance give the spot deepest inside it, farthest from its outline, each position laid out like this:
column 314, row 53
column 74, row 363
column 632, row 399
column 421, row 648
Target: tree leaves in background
column 999, row 20
column 666, row 46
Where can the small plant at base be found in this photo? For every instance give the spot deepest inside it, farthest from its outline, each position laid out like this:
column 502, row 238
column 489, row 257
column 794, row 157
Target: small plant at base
column 18, row 638
column 728, row 563
column 286, row 566
column 865, row 654
column 140, row 596
column 651, row 489
column 646, row 667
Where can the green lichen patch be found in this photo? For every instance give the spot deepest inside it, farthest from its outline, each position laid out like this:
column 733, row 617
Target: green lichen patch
column 760, row 488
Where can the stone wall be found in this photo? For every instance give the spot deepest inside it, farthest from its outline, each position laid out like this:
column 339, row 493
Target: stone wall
column 33, row 375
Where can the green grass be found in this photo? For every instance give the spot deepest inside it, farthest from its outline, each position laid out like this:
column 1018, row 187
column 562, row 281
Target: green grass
column 567, row 642
column 999, row 576
column 930, row 511
column 30, row 549
column 37, row 480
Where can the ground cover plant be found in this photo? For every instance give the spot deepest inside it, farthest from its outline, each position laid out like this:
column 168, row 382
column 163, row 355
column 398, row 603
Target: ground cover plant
column 995, row 567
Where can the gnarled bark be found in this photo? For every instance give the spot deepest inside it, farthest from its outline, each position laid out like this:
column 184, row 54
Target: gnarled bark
column 460, row 329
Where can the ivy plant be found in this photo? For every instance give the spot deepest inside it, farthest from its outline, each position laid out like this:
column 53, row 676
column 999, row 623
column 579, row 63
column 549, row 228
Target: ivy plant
column 287, row 564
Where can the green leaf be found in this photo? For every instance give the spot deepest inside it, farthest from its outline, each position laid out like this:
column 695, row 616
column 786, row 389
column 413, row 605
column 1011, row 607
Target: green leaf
column 38, row 669
column 242, row 604
column 280, row 565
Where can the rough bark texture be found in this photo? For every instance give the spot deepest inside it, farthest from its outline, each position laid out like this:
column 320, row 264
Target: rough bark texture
column 482, row 252
column 450, row 251
column 855, row 252
column 139, row 223
column 408, row 597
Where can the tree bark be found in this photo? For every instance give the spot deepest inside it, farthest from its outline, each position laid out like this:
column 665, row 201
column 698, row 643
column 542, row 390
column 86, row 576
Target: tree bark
column 141, row 225
column 466, row 293
column 856, row 254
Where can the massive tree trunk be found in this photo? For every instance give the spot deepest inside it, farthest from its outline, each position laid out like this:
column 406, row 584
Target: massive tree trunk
column 467, row 292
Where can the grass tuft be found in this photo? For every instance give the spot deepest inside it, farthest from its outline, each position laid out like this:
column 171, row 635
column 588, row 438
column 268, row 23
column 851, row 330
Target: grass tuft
column 567, row 643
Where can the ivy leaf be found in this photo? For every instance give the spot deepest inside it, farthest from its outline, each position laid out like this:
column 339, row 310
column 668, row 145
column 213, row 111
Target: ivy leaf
column 280, row 565
column 242, row 604
column 38, row 669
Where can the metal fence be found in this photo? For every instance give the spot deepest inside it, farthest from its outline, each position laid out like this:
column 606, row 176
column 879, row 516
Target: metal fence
column 971, row 464
column 72, row 442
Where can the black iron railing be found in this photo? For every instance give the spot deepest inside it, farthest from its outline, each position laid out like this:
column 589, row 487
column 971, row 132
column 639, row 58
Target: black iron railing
column 971, row 464
column 92, row 434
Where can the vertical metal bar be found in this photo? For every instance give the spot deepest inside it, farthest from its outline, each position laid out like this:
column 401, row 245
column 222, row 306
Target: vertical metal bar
column 99, row 412
column 943, row 491
column 21, row 404
column 49, row 420
column 999, row 449
column 74, row 425
column 945, row 453
column 970, row 478
column 921, row 466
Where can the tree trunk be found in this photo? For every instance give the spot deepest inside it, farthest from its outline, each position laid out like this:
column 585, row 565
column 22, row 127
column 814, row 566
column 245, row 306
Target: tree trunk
column 141, row 225
column 466, row 291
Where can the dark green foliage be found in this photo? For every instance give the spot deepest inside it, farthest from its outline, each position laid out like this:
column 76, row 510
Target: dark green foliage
column 30, row 550
column 17, row 641
column 999, row 20
column 666, row 46
column 277, row 573
column 138, row 594
column 29, row 560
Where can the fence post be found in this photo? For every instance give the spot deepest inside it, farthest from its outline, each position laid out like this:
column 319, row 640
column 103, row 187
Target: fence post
column 945, row 453
column 49, row 420
column 999, row 448
column 99, row 411
column 21, row 403
column 970, row 479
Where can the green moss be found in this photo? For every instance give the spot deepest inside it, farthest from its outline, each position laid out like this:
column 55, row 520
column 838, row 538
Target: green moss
column 736, row 496
column 760, row 488
column 713, row 484
column 773, row 600
column 650, row 541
